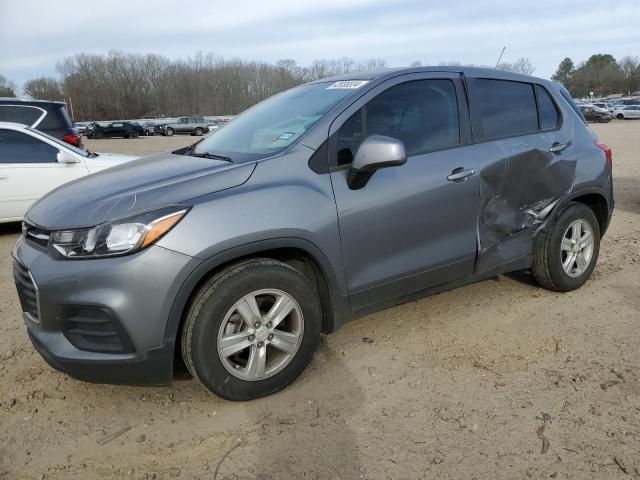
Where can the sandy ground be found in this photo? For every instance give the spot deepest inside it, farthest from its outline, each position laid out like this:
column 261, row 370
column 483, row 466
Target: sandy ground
column 500, row 379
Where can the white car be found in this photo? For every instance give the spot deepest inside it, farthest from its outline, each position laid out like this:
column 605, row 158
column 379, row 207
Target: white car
column 33, row 163
column 627, row 112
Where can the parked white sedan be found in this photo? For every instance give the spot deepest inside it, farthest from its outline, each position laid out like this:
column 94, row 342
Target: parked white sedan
column 627, row 112
column 33, row 163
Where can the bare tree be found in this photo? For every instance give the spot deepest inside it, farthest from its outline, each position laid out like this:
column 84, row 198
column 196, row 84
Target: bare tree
column 44, row 88
column 7, row 88
column 522, row 66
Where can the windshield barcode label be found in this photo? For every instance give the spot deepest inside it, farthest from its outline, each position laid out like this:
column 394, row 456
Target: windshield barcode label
column 348, row 84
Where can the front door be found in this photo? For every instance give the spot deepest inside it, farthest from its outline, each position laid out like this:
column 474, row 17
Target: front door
column 414, row 226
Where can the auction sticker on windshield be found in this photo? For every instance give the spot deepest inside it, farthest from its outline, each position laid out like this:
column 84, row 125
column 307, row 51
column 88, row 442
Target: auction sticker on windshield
column 348, row 84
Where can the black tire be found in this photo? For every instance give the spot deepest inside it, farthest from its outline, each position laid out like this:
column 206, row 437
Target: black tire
column 217, row 297
column 198, row 131
column 547, row 264
column 134, row 134
column 620, row 116
column 98, row 135
column 169, row 132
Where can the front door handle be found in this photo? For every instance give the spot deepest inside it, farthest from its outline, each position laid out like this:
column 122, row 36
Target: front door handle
column 557, row 147
column 3, row 177
column 460, row 174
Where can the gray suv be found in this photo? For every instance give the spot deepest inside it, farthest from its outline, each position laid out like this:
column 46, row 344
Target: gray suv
column 316, row 206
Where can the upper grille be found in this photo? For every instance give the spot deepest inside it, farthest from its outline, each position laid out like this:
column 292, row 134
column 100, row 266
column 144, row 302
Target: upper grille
column 27, row 290
column 34, row 235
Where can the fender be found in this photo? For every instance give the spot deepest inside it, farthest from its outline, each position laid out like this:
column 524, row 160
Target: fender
column 337, row 294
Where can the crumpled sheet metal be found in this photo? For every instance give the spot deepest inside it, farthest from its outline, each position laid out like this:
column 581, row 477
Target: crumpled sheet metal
column 517, row 194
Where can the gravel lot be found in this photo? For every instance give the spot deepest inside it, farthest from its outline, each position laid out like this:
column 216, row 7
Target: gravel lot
column 499, row 379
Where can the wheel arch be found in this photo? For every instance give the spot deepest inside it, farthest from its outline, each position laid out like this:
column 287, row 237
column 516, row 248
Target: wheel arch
column 299, row 253
column 595, row 199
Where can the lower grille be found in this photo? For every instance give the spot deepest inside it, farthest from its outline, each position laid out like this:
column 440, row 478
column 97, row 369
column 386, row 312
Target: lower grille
column 96, row 330
column 27, row 290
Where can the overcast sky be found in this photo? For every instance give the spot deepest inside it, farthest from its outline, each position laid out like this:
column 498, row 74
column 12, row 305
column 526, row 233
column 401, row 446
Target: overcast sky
column 36, row 34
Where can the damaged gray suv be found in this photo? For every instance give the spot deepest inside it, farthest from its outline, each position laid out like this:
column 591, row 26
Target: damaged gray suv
column 316, row 206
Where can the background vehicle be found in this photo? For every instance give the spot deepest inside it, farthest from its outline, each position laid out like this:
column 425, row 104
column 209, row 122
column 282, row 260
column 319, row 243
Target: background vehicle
column 33, row 163
column 81, row 126
column 149, row 128
column 192, row 125
column 627, row 112
column 115, row 129
column 46, row 116
column 595, row 114
column 215, row 258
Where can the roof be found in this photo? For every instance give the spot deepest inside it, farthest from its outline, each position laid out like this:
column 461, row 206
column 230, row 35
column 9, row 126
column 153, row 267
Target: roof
column 27, row 100
column 392, row 72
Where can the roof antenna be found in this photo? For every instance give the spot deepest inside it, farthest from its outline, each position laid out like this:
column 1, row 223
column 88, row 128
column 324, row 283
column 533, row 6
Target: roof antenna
column 500, row 57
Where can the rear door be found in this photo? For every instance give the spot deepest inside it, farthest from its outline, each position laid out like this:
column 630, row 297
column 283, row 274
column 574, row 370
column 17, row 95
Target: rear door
column 526, row 164
column 29, row 169
column 411, row 227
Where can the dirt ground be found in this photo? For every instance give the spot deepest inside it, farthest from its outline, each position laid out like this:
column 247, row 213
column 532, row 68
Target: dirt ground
column 497, row 380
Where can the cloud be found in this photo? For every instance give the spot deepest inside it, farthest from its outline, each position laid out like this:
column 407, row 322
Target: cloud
column 35, row 35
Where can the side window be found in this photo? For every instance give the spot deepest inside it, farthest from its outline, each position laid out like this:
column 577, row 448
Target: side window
column 116, row 125
column 17, row 147
column 502, row 108
column 547, row 110
column 20, row 114
column 423, row 114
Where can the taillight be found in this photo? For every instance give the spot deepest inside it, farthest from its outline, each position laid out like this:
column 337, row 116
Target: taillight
column 72, row 139
column 607, row 152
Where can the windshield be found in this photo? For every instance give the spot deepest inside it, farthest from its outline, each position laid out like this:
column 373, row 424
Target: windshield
column 273, row 125
column 74, row 149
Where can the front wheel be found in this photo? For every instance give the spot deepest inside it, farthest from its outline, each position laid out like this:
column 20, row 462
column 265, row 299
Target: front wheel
column 198, row 131
column 620, row 116
column 566, row 254
column 252, row 329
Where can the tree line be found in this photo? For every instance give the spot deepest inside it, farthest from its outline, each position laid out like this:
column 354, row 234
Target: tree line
column 126, row 85
column 601, row 74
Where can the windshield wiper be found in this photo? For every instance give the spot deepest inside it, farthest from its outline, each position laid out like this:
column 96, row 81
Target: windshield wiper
column 212, row 156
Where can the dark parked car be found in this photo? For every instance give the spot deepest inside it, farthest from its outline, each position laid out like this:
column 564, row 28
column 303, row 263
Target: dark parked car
column 595, row 114
column 319, row 205
column 149, row 128
column 46, row 116
column 115, row 129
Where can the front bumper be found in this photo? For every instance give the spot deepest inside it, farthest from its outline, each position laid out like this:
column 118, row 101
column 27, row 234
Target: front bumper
column 102, row 320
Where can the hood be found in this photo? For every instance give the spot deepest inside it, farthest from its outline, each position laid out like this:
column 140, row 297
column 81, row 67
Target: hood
column 132, row 187
column 106, row 160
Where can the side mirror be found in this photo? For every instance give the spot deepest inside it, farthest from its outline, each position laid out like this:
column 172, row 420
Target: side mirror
column 64, row 157
column 377, row 151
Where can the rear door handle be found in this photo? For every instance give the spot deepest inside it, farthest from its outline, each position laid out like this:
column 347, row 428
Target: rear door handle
column 557, row 147
column 460, row 174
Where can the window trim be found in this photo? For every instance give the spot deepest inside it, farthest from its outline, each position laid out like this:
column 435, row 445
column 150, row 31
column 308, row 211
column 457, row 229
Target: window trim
column 37, row 122
column 519, row 134
column 464, row 124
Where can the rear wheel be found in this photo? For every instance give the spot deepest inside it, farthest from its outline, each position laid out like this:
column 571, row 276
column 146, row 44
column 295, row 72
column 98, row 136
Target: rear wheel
column 566, row 254
column 169, row 132
column 252, row 329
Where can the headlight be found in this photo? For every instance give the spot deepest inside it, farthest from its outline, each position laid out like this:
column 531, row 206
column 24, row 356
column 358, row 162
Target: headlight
column 117, row 237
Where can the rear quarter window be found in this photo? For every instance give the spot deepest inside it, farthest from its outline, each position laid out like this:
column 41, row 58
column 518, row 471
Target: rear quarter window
column 27, row 115
column 502, row 108
column 57, row 118
column 547, row 110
